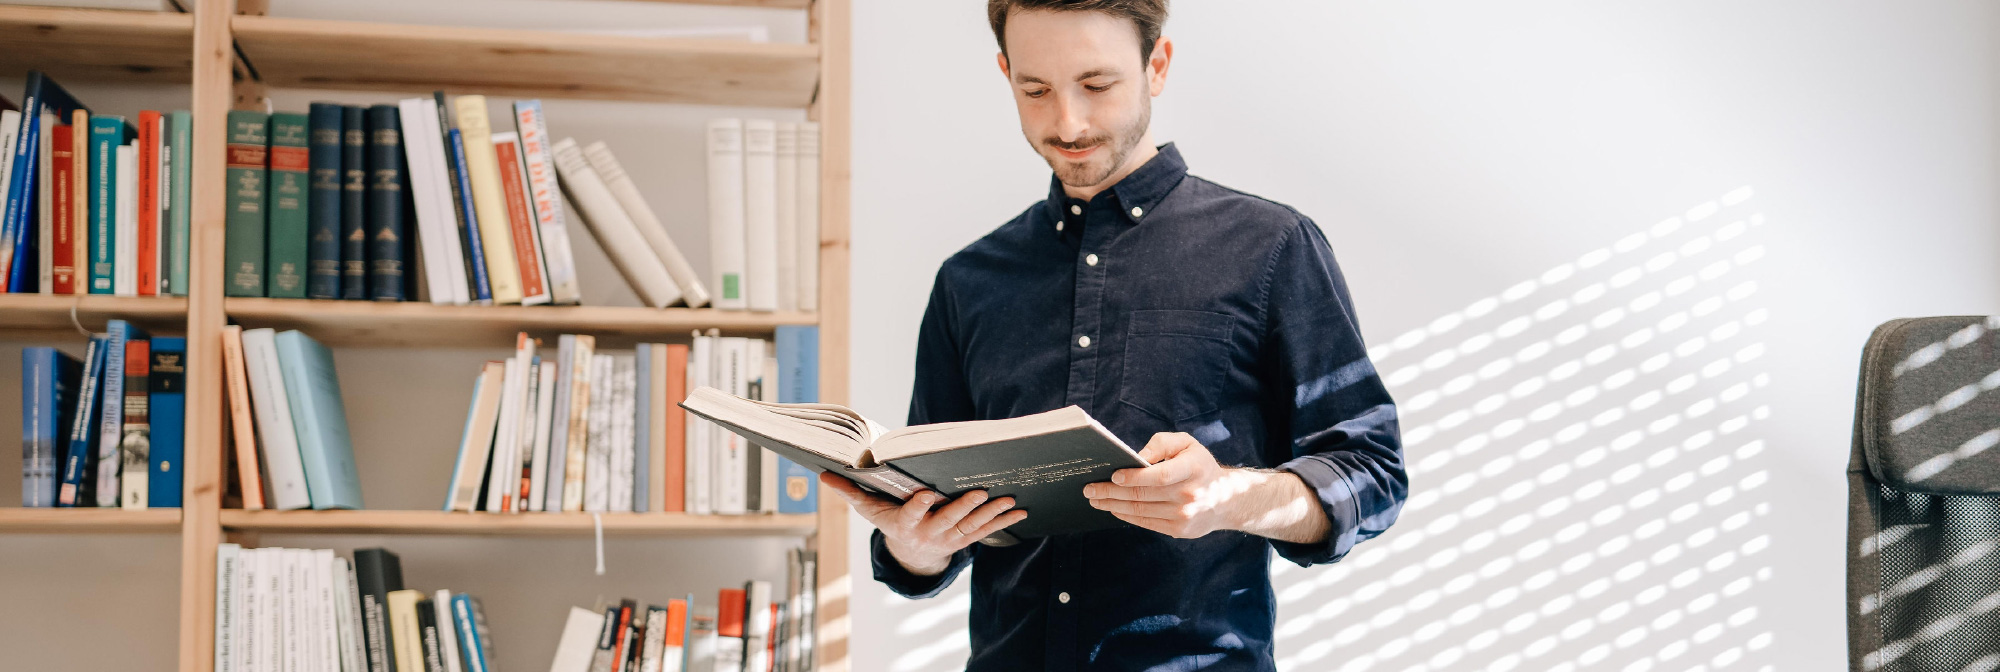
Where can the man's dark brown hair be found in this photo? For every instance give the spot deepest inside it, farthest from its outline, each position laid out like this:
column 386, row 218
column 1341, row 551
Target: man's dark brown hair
column 1146, row 15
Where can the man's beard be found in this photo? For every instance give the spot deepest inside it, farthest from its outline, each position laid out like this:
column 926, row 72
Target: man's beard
column 1087, row 174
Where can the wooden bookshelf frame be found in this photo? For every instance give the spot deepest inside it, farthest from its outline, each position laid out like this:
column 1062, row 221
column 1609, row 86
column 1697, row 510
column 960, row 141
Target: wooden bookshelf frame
column 198, row 49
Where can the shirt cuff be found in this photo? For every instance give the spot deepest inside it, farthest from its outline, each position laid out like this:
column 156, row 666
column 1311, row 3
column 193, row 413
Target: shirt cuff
column 1336, row 499
column 892, row 574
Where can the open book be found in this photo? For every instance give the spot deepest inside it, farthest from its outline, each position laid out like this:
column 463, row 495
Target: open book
column 1041, row 460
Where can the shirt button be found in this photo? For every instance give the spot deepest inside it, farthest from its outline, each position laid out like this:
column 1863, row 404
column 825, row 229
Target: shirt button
column 1136, row 211
column 1075, row 209
column 1062, row 597
column 1059, row 226
column 1090, row 259
column 1083, row 341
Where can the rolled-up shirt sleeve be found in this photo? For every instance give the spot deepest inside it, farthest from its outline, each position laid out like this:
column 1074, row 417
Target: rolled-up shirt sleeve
column 1345, row 443
column 940, row 394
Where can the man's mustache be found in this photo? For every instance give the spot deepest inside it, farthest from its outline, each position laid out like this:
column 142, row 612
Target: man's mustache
column 1077, row 146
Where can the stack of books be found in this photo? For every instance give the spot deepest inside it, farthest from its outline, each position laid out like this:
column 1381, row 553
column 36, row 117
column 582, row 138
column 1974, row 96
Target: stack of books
column 747, row 630
column 300, row 609
column 92, row 203
column 107, row 430
column 287, row 422
column 579, row 429
column 322, row 205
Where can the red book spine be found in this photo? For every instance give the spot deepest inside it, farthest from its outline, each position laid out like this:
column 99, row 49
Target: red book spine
column 729, row 610
column 149, row 203
column 677, row 362
column 624, row 632
column 522, row 221
column 62, row 172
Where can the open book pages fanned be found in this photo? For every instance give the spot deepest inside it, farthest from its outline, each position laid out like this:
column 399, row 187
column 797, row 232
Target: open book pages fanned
column 1041, row 460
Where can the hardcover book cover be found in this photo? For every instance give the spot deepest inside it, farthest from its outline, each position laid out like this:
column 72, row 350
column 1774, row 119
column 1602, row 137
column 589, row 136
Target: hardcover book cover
column 385, row 224
column 49, row 387
column 285, row 239
column 313, row 389
column 324, row 203
column 166, row 387
column 243, row 252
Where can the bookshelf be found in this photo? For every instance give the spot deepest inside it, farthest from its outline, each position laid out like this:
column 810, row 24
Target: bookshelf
column 198, row 49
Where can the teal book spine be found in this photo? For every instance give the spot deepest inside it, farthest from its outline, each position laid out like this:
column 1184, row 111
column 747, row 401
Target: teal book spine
column 285, row 237
column 108, row 132
column 312, row 388
column 180, row 188
column 798, row 383
column 243, row 219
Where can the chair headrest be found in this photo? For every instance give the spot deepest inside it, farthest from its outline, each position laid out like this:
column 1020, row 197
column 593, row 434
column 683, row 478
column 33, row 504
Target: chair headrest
column 1929, row 406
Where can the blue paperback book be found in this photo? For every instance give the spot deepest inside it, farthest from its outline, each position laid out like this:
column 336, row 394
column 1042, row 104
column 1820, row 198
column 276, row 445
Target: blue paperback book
column 312, row 389
column 49, row 387
column 166, row 398
column 798, row 383
column 482, row 287
column 76, row 462
column 473, row 646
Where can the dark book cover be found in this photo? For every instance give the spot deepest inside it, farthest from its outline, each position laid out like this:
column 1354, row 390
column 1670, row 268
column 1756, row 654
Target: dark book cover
column 285, row 239
column 353, row 203
column 635, row 640
column 607, row 642
column 243, row 249
column 378, row 573
column 323, row 203
column 427, row 623
column 49, row 387
column 166, row 384
column 385, row 204
column 74, row 488
column 461, row 202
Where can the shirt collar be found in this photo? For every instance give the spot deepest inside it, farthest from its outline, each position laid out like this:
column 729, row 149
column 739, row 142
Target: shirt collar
column 1137, row 193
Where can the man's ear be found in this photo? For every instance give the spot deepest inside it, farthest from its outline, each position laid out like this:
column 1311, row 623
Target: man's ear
column 1001, row 57
column 1156, row 67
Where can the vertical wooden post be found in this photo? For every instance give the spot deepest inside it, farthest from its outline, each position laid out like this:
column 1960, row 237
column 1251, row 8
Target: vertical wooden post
column 202, row 461
column 830, row 29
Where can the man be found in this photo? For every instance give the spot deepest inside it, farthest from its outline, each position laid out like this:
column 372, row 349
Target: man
column 1209, row 325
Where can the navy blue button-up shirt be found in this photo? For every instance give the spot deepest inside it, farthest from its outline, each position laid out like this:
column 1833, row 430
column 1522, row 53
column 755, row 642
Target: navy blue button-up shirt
column 1165, row 303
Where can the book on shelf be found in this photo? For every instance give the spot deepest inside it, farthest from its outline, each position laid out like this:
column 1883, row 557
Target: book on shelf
column 312, row 388
column 1041, row 460
column 74, row 488
column 50, row 381
column 353, row 203
column 539, row 169
column 146, row 207
column 726, row 223
column 521, row 219
column 244, row 208
column 763, row 214
column 614, row 229
column 111, row 417
column 135, row 428
column 386, row 229
column 242, row 433
column 292, row 246
column 301, row 453
column 166, row 387
column 106, row 430
column 324, row 201
column 482, row 172
column 760, row 217
column 606, row 166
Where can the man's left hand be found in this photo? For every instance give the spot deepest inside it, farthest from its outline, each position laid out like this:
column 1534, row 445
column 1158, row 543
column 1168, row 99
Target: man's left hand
column 1184, row 493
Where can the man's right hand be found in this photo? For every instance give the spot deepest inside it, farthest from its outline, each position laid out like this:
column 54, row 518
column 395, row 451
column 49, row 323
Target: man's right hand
column 924, row 540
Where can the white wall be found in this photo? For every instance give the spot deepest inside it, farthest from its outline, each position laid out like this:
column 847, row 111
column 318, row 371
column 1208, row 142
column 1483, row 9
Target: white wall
column 1452, row 150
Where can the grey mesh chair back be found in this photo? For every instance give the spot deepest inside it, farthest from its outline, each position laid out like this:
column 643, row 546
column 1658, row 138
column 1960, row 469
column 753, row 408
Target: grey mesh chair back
column 1923, row 560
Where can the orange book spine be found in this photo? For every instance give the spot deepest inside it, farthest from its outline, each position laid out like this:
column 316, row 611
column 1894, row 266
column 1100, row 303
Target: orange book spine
column 521, row 220
column 676, row 455
column 236, row 384
column 149, row 203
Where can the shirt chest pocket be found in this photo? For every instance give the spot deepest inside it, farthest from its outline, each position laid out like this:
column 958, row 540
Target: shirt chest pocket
column 1175, row 362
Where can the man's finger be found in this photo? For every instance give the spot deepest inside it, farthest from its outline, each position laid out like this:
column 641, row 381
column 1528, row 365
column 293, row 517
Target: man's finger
column 868, row 505
column 1154, row 524
column 941, row 521
column 1135, row 494
column 1155, row 510
column 1165, row 445
column 914, row 510
column 998, row 523
column 1172, row 470
column 984, row 514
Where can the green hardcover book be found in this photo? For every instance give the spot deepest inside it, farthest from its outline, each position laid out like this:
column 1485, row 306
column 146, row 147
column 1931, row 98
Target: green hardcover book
column 243, row 253
column 285, row 239
column 180, row 181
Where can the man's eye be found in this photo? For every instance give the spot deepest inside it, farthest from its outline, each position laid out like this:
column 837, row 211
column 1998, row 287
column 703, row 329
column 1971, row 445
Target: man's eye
column 1037, row 93
column 1099, row 89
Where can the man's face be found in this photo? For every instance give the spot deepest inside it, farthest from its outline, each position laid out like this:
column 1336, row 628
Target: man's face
column 1084, row 95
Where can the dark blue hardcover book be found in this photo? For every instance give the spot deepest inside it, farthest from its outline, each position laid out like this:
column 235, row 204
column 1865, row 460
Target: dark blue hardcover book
column 77, row 483
column 111, row 426
column 798, row 383
column 42, row 95
column 481, row 286
column 385, row 204
column 353, row 203
column 49, row 379
column 460, row 203
column 17, row 234
column 323, row 203
column 166, row 395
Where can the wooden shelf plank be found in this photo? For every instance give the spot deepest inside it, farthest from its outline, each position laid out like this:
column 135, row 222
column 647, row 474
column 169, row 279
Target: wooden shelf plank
column 47, row 316
column 15, row 520
column 373, row 324
column 97, row 44
column 312, row 53
column 524, row 524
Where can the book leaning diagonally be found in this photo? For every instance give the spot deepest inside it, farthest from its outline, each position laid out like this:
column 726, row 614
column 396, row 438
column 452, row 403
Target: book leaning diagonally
column 648, row 224
column 613, row 228
column 1041, row 460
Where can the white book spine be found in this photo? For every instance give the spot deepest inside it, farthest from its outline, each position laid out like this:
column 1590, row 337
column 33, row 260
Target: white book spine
column 323, row 638
column 725, row 214
column 700, row 453
column 285, row 472
column 787, row 214
column 621, row 186
column 125, row 272
column 251, row 610
column 417, row 148
column 581, row 387
column 757, row 626
column 163, row 186
column 597, row 459
column 225, row 606
column 504, row 436
column 614, row 229
column 46, row 221
column 454, row 242
column 551, row 225
column 447, row 635
column 545, row 404
column 625, row 458
column 732, row 460
column 343, row 630
column 808, row 249
column 558, row 434
column 767, row 471
column 760, row 213
column 524, row 447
